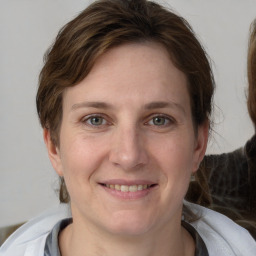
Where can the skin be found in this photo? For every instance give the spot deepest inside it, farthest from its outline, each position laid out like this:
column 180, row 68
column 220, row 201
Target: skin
column 128, row 122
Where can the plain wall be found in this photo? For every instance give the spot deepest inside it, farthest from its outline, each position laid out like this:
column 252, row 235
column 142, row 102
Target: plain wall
column 28, row 27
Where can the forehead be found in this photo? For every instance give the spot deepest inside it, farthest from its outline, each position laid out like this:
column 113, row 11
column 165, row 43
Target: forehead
column 138, row 71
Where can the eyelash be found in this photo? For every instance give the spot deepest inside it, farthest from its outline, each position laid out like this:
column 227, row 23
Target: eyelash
column 167, row 120
column 87, row 120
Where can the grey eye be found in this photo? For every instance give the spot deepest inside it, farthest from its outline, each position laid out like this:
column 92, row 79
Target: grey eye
column 96, row 120
column 159, row 120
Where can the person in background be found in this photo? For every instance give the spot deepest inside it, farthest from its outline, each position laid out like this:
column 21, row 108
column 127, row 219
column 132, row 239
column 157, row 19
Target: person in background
column 230, row 179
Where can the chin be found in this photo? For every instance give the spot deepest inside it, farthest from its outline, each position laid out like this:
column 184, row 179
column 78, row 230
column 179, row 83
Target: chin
column 130, row 225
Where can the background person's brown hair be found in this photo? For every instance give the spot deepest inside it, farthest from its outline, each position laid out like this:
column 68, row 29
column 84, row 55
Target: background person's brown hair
column 251, row 73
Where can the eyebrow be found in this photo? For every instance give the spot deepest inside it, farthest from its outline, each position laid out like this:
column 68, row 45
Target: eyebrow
column 149, row 106
column 91, row 105
column 164, row 104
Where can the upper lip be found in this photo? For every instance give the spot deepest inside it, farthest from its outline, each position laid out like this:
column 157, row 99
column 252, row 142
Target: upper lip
column 127, row 182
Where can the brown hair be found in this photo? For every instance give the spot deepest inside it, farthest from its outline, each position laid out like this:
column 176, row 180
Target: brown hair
column 251, row 73
column 106, row 24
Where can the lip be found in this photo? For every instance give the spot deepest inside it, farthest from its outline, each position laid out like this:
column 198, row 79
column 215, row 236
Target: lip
column 128, row 182
column 128, row 195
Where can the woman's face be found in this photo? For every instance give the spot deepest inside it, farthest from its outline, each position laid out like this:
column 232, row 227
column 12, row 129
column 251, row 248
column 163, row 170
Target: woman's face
column 127, row 142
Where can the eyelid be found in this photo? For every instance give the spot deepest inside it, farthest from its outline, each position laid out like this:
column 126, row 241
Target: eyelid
column 99, row 115
column 167, row 117
column 84, row 120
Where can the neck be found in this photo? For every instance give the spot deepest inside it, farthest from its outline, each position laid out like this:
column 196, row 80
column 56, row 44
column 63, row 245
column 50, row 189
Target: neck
column 77, row 240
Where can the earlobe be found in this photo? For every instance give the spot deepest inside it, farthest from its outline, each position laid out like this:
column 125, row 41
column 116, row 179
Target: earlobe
column 200, row 145
column 53, row 152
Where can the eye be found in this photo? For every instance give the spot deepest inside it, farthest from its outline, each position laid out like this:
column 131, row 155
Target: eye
column 160, row 121
column 95, row 121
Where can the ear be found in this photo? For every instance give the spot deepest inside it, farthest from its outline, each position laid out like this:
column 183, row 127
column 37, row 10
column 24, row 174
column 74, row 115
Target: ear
column 201, row 141
column 53, row 152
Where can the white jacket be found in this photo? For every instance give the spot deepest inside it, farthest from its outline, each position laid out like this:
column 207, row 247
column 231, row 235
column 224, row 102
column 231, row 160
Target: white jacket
column 221, row 235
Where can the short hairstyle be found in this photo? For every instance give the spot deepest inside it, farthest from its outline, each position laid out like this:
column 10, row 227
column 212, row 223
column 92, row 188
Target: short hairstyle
column 251, row 73
column 109, row 23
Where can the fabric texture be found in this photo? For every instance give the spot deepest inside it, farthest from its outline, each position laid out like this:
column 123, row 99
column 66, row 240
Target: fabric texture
column 221, row 235
column 229, row 185
column 201, row 249
column 51, row 244
column 29, row 239
column 232, row 178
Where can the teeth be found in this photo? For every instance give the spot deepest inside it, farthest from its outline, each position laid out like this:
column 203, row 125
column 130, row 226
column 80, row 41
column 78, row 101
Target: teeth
column 140, row 187
column 133, row 188
column 126, row 188
column 117, row 187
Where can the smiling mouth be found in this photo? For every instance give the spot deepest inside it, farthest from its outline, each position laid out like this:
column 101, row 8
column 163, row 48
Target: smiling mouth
column 127, row 188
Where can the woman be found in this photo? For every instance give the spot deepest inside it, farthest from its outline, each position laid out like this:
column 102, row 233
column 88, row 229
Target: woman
column 232, row 176
column 125, row 100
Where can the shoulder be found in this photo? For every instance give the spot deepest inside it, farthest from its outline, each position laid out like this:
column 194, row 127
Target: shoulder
column 29, row 239
column 250, row 147
column 221, row 235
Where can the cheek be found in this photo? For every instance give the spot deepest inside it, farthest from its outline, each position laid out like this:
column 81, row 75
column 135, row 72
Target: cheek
column 176, row 151
column 80, row 157
column 175, row 158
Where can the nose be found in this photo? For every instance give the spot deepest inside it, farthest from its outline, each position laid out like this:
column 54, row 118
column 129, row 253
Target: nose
column 128, row 150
